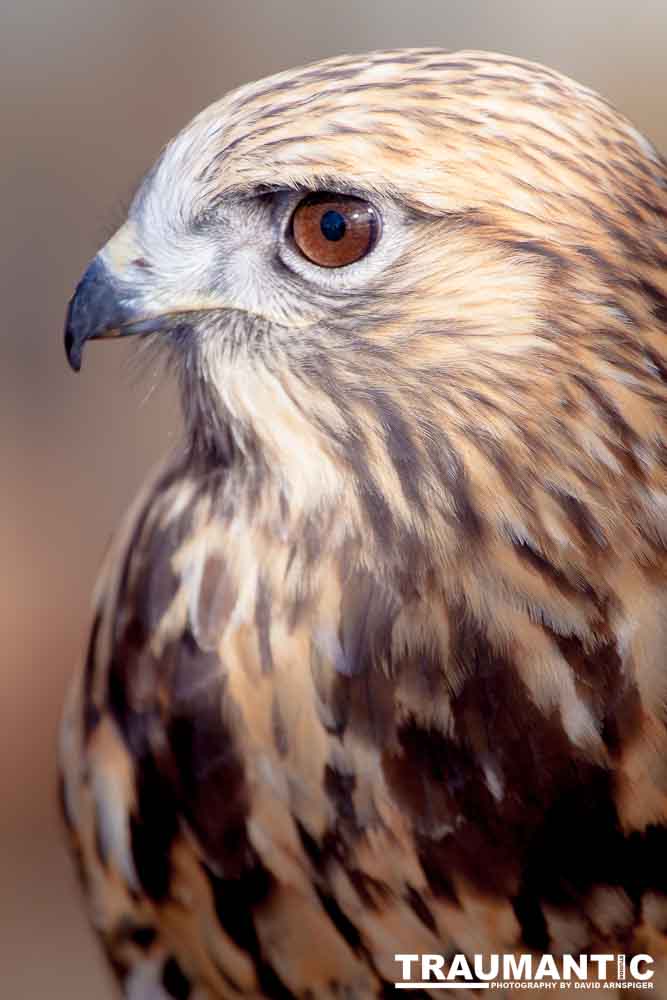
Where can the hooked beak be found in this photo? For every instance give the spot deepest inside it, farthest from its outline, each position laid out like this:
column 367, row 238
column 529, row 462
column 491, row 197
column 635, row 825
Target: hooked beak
column 107, row 302
column 95, row 310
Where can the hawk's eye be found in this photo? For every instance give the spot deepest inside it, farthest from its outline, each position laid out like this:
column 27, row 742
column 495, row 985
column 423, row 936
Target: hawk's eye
column 333, row 230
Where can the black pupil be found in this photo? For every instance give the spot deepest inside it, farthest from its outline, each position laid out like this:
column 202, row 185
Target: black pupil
column 333, row 225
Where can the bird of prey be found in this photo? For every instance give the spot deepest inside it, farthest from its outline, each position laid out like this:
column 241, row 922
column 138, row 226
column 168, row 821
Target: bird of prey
column 377, row 663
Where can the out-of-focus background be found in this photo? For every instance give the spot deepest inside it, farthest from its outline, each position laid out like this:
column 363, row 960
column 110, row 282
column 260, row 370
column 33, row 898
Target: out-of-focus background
column 90, row 92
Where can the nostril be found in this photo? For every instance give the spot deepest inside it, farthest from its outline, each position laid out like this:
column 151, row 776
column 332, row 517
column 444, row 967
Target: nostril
column 140, row 262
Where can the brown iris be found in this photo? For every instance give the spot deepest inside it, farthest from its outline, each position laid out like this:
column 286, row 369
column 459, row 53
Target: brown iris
column 333, row 230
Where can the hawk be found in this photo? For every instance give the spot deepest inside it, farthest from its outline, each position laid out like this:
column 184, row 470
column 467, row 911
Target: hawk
column 377, row 663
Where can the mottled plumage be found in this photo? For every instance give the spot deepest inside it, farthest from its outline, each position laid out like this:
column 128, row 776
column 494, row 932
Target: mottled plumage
column 378, row 660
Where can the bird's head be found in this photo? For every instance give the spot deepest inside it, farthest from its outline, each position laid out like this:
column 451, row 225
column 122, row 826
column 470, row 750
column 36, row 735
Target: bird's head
column 420, row 268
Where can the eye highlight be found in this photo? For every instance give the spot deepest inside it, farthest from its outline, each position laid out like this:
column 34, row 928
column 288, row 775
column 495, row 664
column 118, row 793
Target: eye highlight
column 332, row 230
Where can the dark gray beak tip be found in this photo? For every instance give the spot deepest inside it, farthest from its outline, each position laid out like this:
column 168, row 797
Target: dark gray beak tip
column 72, row 350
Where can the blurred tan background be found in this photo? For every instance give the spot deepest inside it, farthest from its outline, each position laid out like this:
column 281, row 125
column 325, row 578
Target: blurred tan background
column 91, row 89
